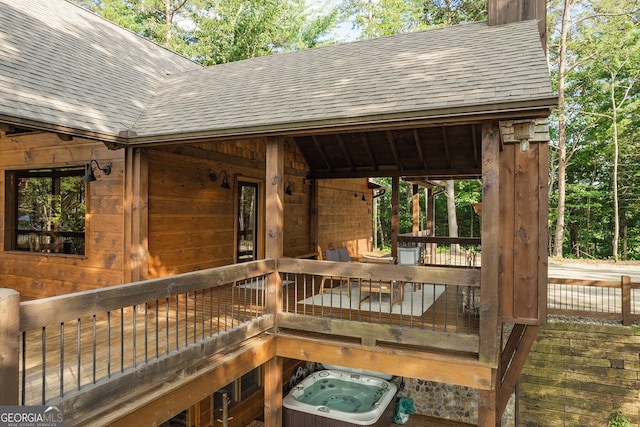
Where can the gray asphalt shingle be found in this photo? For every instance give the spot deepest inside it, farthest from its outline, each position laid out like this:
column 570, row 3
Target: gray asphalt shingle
column 78, row 69
column 85, row 73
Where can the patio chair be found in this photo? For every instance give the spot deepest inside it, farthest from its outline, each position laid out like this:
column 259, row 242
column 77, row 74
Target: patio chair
column 338, row 255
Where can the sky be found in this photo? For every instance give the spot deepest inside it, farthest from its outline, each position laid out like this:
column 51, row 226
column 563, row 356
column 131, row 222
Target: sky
column 345, row 32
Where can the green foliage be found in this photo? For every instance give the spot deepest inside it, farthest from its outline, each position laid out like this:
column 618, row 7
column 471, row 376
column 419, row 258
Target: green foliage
column 601, row 105
column 451, row 12
column 219, row 31
column 618, row 420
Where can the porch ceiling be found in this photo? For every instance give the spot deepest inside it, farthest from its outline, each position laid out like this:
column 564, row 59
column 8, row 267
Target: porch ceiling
column 433, row 152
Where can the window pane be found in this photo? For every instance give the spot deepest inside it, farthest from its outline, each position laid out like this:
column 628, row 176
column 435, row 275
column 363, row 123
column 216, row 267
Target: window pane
column 51, row 211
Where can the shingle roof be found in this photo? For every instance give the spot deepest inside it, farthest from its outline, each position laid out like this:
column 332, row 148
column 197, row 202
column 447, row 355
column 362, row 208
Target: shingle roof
column 62, row 65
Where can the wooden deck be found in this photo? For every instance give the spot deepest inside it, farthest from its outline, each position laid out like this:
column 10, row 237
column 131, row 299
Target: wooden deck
column 449, row 312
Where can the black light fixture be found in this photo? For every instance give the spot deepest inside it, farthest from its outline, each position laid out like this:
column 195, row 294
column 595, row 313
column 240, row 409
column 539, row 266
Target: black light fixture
column 288, row 188
column 90, row 176
column 225, row 179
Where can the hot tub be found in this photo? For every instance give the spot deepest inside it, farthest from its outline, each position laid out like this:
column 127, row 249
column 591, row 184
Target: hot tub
column 334, row 398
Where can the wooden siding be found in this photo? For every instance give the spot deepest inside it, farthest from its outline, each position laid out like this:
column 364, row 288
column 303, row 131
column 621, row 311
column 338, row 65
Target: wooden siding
column 191, row 225
column 523, row 231
column 344, row 219
column 37, row 275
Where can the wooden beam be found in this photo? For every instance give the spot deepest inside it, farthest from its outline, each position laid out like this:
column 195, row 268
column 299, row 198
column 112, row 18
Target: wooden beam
column 445, row 140
column 395, row 215
column 274, row 248
column 367, row 146
column 375, row 334
column 515, row 356
column 343, row 147
column 474, row 141
column 444, row 368
column 314, row 223
column 394, row 150
column 9, row 346
column 369, row 172
column 274, row 196
column 273, row 392
column 416, row 138
column 136, row 215
column 487, row 409
column 543, row 230
column 489, row 294
column 162, row 402
column 322, row 153
column 415, row 204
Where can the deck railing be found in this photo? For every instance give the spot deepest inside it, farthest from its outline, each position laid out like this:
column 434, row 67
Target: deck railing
column 71, row 344
column 611, row 300
column 425, row 306
column 445, row 251
column 77, row 348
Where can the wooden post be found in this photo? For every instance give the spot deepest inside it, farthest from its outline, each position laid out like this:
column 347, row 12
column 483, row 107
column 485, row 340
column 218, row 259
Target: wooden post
column 625, row 284
column 273, row 393
column 415, row 204
column 488, row 409
column 395, row 215
column 431, row 223
column 313, row 218
column 489, row 290
column 136, row 215
column 9, row 346
column 274, row 248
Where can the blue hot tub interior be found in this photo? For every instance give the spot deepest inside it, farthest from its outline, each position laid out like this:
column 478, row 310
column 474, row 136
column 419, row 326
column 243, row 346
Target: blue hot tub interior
column 342, row 395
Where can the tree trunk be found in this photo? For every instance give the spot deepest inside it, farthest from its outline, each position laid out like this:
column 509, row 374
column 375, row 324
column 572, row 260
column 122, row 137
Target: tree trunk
column 562, row 124
column 616, row 208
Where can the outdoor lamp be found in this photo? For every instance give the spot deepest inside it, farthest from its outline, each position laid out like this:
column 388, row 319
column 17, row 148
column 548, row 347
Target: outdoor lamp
column 225, row 179
column 90, row 176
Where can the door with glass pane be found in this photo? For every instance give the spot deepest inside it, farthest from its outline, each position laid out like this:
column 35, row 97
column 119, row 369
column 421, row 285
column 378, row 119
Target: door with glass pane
column 247, row 238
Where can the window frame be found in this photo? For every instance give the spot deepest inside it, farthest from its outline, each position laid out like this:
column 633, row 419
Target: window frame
column 11, row 224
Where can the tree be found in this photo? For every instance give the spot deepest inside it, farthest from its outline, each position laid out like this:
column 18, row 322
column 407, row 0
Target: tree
column 607, row 83
column 219, row 31
column 452, row 12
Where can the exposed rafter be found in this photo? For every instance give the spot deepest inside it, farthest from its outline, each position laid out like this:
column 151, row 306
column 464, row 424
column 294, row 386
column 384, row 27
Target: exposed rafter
column 343, row 147
column 367, row 146
column 416, row 137
column 445, row 140
column 394, row 150
column 322, row 153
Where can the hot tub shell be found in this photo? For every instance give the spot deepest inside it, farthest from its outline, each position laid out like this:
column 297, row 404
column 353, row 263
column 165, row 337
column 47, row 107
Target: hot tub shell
column 297, row 414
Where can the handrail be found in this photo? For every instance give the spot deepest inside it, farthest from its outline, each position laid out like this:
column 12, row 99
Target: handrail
column 49, row 311
column 94, row 341
column 604, row 299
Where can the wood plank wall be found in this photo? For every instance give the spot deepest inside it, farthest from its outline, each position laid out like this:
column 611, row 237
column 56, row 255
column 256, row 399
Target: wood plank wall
column 37, row 275
column 191, row 219
column 344, row 219
column 523, row 233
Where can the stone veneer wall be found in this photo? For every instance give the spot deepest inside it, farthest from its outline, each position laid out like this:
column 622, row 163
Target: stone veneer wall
column 449, row 402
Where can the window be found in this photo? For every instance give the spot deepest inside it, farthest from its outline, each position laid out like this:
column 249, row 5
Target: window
column 45, row 210
column 247, row 240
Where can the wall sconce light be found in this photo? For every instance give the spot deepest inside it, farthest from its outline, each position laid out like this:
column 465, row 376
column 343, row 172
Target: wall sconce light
column 288, row 188
column 225, row 179
column 90, row 176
